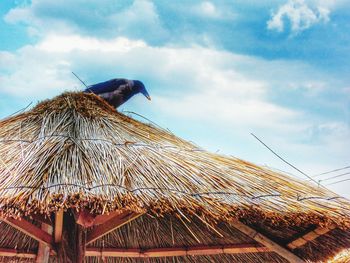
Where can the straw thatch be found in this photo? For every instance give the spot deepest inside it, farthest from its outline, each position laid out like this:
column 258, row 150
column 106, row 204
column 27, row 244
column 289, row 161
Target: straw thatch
column 342, row 257
column 76, row 152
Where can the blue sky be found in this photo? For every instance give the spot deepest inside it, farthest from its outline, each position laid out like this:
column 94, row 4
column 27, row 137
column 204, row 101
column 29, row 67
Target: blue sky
column 216, row 70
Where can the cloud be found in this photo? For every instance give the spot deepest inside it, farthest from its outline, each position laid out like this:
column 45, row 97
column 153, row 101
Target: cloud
column 208, row 9
column 34, row 74
column 299, row 15
column 107, row 20
column 68, row 43
column 139, row 20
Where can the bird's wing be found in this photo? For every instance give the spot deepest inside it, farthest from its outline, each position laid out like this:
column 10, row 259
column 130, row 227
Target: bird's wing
column 117, row 97
column 107, row 86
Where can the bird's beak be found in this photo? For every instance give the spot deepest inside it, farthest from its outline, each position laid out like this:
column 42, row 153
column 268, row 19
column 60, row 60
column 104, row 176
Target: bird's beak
column 145, row 93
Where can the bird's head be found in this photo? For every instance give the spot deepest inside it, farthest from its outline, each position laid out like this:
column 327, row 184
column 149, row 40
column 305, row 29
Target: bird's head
column 141, row 88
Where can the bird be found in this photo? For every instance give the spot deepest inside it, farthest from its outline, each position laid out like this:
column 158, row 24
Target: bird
column 118, row 91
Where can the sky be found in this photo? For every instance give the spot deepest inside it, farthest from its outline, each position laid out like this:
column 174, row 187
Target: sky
column 217, row 71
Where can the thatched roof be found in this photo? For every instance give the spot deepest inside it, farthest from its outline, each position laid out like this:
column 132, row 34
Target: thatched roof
column 342, row 257
column 76, row 152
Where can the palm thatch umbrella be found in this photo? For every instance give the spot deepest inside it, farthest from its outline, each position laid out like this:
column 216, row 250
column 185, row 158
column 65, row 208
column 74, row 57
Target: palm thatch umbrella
column 82, row 182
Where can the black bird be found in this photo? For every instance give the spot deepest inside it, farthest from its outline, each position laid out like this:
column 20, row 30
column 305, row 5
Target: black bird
column 118, row 91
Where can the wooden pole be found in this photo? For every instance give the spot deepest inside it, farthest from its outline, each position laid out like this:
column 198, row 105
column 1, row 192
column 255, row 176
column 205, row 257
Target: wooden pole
column 81, row 244
column 58, row 225
column 175, row 251
column 111, row 225
column 43, row 254
column 8, row 252
column 300, row 241
column 30, row 230
column 273, row 246
column 66, row 235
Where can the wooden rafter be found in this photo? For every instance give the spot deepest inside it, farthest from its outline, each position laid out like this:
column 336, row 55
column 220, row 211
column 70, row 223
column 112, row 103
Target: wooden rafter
column 43, row 254
column 111, row 225
column 6, row 252
column 273, row 246
column 86, row 219
column 31, row 230
column 41, row 218
column 300, row 241
column 101, row 219
column 81, row 246
column 58, row 226
column 175, row 251
column 113, row 221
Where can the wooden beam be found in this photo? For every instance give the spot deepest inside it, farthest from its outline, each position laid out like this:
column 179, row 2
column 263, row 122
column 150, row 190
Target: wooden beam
column 101, row 219
column 81, row 245
column 7, row 252
column 84, row 218
column 175, row 251
column 58, row 226
column 66, row 237
column 43, row 254
column 273, row 246
column 112, row 224
column 41, row 218
column 30, row 230
column 300, row 241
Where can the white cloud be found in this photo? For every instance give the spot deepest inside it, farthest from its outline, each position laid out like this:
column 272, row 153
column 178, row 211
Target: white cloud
column 139, row 18
column 19, row 14
column 300, row 16
column 36, row 24
column 107, row 20
column 6, row 60
column 34, row 74
column 68, row 43
column 210, row 10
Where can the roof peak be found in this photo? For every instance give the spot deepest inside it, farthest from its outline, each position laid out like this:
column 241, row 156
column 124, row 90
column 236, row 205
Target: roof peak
column 87, row 104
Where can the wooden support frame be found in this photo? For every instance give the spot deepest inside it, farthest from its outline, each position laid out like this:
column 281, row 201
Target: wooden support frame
column 30, row 230
column 86, row 219
column 110, row 225
column 58, row 226
column 41, row 218
column 175, row 251
column 300, row 241
column 101, row 219
column 273, row 246
column 43, row 254
column 81, row 246
column 7, row 252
